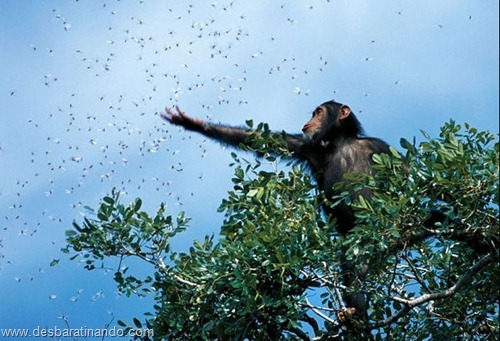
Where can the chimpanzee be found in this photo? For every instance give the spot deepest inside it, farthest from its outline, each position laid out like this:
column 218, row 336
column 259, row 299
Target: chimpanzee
column 332, row 143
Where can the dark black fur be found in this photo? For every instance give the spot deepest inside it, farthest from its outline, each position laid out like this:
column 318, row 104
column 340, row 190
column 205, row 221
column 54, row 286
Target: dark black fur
column 338, row 149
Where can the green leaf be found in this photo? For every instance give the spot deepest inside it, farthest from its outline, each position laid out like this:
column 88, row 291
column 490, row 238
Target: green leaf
column 70, row 233
column 395, row 152
column 252, row 192
column 109, row 200
column 377, row 158
column 102, row 216
column 137, row 323
column 208, row 326
column 138, row 204
column 426, row 135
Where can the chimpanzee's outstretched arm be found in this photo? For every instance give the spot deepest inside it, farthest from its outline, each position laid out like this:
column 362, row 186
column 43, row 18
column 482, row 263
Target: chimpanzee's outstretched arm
column 225, row 134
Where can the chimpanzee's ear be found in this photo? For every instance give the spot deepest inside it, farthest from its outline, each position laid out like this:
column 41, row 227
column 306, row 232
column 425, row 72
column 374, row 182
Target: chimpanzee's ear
column 344, row 112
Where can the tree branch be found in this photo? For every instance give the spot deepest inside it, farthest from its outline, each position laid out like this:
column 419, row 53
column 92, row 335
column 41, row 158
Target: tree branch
column 159, row 264
column 319, row 313
column 410, row 304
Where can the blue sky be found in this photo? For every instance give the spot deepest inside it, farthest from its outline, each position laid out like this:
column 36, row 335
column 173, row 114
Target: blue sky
column 83, row 83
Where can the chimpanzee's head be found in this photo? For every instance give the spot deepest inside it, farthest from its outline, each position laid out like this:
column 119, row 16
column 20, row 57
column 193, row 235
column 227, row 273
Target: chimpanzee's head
column 331, row 120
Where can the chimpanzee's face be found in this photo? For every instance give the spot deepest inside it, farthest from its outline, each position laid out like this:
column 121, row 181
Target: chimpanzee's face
column 315, row 125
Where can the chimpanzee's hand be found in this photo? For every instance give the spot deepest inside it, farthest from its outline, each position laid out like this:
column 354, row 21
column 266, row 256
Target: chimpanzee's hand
column 180, row 118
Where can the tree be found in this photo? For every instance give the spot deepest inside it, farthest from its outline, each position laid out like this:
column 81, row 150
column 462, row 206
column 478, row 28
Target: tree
column 274, row 271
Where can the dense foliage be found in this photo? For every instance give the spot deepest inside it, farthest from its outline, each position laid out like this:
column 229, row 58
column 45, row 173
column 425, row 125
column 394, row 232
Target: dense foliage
column 273, row 272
